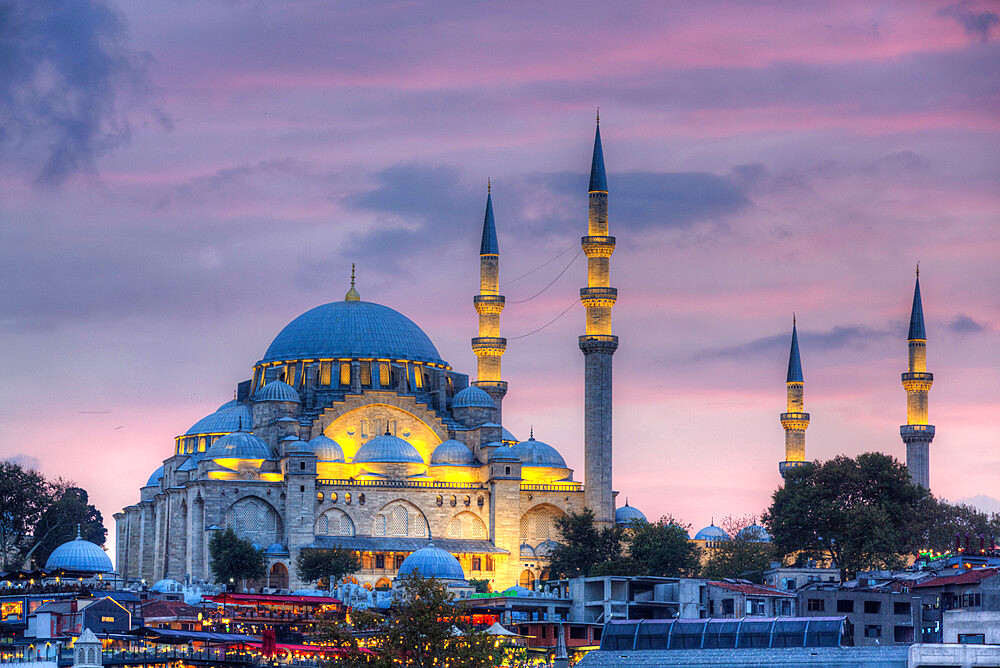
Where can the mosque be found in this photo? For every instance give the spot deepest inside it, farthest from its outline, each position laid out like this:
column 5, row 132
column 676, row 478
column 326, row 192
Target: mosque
column 353, row 432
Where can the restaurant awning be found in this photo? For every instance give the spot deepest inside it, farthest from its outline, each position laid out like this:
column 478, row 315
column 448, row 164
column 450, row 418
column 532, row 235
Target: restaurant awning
column 288, row 599
column 177, row 637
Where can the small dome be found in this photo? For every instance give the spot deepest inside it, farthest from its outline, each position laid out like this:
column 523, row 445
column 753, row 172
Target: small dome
column 229, row 404
column 507, row 437
column 501, row 452
column 527, row 551
column 227, row 419
column 277, row 390
column 293, row 443
column 472, row 397
column 388, row 449
column 711, row 533
column 239, row 445
column 628, row 514
column 156, row 476
column 167, row 586
column 755, row 533
column 453, row 452
column 544, row 549
column 536, row 453
column 191, row 463
column 326, row 449
column 79, row 555
column 432, row 562
column 276, row 549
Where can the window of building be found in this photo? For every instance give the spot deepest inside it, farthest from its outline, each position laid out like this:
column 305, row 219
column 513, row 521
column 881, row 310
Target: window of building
column 361, row 499
column 902, row 634
column 345, row 373
column 325, row 371
column 319, row 496
column 578, row 633
column 755, row 606
column 302, row 466
column 467, row 501
column 728, row 607
column 971, row 600
column 347, row 497
column 417, row 377
column 789, row 583
column 845, row 605
column 815, row 605
column 333, row 497
column 507, row 471
column 972, row 638
column 439, row 500
column 477, row 564
column 873, row 631
column 900, row 608
column 872, row 607
column 366, row 374
column 453, row 501
column 302, row 488
column 383, row 374
column 379, row 561
column 784, row 607
column 399, row 560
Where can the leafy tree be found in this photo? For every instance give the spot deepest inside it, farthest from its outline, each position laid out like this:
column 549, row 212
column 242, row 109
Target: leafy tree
column 585, row 549
column 744, row 555
column 662, row 548
column 326, row 566
column 59, row 522
column 939, row 521
column 482, row 585
column 234, row 559
column 864, row 512
column 24, row 496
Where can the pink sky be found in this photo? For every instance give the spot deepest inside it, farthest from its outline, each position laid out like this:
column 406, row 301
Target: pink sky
column 181, row 179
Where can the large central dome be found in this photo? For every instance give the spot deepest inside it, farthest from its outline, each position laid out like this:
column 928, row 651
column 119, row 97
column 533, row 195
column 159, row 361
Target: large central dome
column 351, row 330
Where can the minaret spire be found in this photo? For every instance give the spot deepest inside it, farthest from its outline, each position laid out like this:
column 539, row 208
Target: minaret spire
column 794, row 420
column 917, row 434
column 598, row 344
column 489, row 346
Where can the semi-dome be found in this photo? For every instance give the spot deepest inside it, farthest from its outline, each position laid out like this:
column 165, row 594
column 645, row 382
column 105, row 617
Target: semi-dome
column 351, row 330
column 326, row 449
column 276, row 549
column 155, row 477
column 472, row 397
column 755, row 533
column 628, row 514
column 711, row 533
column 453, row 452
column 79, row 555
column 537, row 453
column 191, row 463
column 387, row 449
column 228, row 418
column 432, row 562
column 277, row 390
column 239, row 445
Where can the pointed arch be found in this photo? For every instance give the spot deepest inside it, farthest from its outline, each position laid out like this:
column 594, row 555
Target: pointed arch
column 400, row 518
column 538, row 523
column 467, row 525
column 334, row 522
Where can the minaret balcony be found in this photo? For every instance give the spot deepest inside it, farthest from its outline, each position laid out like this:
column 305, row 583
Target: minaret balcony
column 917, row 433
column 597, row 246
column 605, row 297
column 598, row 343
column 784, row 466
column 489, row 303
column 795, row 421
column 917, row 381
column 489, row 346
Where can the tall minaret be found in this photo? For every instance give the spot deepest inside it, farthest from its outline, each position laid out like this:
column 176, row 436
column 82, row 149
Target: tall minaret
column 598, row 345
column 489, row 346
column 916, row 433
column 794, row 419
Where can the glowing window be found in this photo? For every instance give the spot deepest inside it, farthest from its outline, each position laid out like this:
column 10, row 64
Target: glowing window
column 201, row 444
column 345, row 373
column 366, row 374
column 383, row 374
column 418, row 377
column 325, row 371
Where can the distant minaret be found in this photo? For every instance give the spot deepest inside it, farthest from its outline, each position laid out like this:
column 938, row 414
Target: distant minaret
column 489, row 346
column 598, row 346
column 916, row 433
column 794, row 419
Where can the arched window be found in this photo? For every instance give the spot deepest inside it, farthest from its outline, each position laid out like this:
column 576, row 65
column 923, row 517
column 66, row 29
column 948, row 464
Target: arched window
column 379, row 529
column 345, row 373
column 527, row 579
column 398, row 522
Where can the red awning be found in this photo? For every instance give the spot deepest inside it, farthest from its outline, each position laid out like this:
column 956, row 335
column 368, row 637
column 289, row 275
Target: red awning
column 255, row 599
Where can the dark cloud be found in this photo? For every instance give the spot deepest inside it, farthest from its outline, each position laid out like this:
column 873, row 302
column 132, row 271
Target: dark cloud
column 65, row 74
column 976, row 24
column 963, row 324
column 854, row 336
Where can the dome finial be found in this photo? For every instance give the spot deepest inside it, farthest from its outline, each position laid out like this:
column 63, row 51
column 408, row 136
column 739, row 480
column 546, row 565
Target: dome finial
column 489, row 186
column 793, row 318
column 78, row 536
column 531, row 433
column 598, row 115
column 918, row 268
column 352, row 294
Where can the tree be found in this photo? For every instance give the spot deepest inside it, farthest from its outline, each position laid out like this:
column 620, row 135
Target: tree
column 662, row 548
column 326, row 566
column 583, row 547
column 482, row 585
column 234, row 559
column 940, row 521
column 59, row 522
column 24, row 496
column 863, row 512
column 746, row 555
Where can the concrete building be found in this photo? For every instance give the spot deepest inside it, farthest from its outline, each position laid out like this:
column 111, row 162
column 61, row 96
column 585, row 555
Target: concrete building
column 971, row 639
column 731, row 599
column 353, row 432
column 792, row 578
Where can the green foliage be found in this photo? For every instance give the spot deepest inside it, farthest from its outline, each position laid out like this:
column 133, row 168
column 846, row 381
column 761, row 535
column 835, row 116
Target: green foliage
column 743, row 556
column 24, row 496
column 234, row 559
column 940, row 521
column 584, row 549
column 482, row 586
column 326, row 566
column 662, row 548
column 864, row 512
column 59, row 522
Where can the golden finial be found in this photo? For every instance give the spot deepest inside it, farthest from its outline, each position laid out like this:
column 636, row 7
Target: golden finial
column 352, row 294
column 489, row 186
column 598, row 115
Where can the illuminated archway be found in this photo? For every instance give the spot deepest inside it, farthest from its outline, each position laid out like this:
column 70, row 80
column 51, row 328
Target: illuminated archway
column 527, row 579
column 278, row 576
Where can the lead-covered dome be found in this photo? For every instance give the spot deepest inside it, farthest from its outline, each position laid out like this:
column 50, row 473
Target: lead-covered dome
column 537, row 453
column 230, row 417
column 754, row 533
column 711, row 533
column 628, row 514
column 452, row 452
column 351, row 330
column 472, row 397
column 155, row 477
column 432, row 562
column 387, row 449
column 277, row 390
column 239, row 445
column 326, row 449
column 79, row 555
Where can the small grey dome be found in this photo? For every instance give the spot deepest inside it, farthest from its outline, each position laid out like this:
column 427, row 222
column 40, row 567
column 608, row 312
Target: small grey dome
column 711, row 533
column 388, row 449
column 453, row 452
column 432, row 562
column 277, row 390
column 527, row 551
column 545, row 548
column 79, row 555
column 326, row 449
column 472, row 397
column 167, row 586
column 228, row 418
column 628, row 514
column 156, row 476
column 508, row 438
column 537, row 453
column 502, row 452
column 239, row 445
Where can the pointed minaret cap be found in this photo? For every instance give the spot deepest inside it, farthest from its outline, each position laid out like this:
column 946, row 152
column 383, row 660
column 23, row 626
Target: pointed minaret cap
column 598, row 179
column 794, row 361
column 352, row 294
column 917, row 314
column 489, row 246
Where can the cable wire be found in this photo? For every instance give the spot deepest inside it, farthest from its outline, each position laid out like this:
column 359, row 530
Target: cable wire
column 558, row 276
column 535, row 331
column 546, row 263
